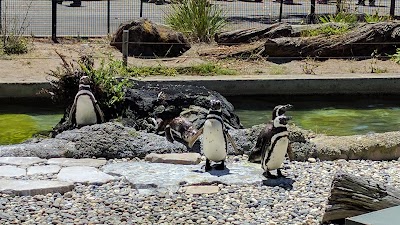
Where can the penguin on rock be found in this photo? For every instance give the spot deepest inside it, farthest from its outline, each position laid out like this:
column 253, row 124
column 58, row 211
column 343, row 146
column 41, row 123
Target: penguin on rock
column 85, row 110
column 275, row 145
column 215, row 135
column 255, row 154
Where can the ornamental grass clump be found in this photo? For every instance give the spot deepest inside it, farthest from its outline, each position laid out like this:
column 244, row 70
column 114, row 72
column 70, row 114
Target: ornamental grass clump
column 197, row 19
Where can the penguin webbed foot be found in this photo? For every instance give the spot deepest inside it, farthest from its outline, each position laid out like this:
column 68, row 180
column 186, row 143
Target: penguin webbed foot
column 220, row 166
column 268, row 174
column 279, row 172
column 208, row 165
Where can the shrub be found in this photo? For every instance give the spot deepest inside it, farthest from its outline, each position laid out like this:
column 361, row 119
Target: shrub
column 14, row 44
column 341, row 17
column 327, row 30
column 196, row 19
column 374, row 18
column 396, row 57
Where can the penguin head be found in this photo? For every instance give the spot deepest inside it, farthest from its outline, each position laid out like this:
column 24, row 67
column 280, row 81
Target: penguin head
column 280, row 110
column 84, row 80
column 281, row 121
column 215, row 105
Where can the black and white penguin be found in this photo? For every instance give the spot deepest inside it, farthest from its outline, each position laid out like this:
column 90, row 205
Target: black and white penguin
column 85, row 110
column 274, row 147
column 178, row 127
column 215, row 135
column 255, row 154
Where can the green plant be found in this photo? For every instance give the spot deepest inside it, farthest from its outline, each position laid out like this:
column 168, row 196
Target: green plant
column 396, row 56
column 341, row 17
column 205, row 69
column 374, row 63
column 11, row 37
column 197, row 19
column 374, row 18
column 278, row 70
column 327, row 30
column 309, row 65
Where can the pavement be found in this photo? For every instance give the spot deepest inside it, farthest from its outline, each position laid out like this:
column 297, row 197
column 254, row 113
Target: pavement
column 32, row 175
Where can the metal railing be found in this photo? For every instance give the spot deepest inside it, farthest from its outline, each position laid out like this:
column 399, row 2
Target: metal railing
column 46, row 18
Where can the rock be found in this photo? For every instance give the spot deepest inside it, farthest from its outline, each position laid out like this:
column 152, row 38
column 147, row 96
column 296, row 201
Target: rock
column 169, row 176
column 11, row 171
column 201, row 189
column 311, row 160
column 77, row 162
column 34, row 187
column 174, row 158
column 83, row 174
column 46, row 148
column 48, row 169
column 110, row 140
column 20, row 161
column 162, row 40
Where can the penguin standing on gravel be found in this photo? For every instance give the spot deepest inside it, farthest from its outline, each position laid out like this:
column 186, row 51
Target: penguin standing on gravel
column 85, row 110
column 255, row 154
column 275, row 145
column 215, row 146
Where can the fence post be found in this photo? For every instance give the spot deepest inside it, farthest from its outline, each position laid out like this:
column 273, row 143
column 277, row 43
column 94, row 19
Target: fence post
column 125, row 43
column 54, row 21
column 392, row 7
column 311, row 17
column 1, row 20
column 141, row 8
column 280, row 11
column 108, row 16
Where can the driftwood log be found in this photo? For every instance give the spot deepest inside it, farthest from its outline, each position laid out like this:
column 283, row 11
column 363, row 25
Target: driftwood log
column 281, row 40
column 352, row 196
column 363, row 40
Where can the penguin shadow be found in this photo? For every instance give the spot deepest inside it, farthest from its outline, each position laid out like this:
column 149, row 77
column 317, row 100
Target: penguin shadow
column 214, row 171
column 283, row 182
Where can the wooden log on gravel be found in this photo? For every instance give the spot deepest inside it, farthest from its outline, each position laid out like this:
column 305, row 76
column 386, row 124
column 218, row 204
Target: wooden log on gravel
column 360, row 41
column 352, row 196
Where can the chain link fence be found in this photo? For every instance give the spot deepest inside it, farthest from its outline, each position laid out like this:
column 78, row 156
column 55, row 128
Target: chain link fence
column 43, row 18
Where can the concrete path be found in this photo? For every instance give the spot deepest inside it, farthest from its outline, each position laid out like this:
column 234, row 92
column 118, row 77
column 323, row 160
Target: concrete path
column 32, row 175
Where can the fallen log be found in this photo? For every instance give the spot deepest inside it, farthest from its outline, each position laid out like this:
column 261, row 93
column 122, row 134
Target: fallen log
column 352, row 196
column 361, row 41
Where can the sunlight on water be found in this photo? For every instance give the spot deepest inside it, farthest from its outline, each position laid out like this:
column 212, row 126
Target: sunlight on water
column 332, row 121
column 18, row 124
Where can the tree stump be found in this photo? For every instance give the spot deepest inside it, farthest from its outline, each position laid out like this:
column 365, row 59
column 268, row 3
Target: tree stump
column 352, row 196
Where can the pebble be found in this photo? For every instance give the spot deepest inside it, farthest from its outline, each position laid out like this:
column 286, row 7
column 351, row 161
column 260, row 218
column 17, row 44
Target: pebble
column 117, row 203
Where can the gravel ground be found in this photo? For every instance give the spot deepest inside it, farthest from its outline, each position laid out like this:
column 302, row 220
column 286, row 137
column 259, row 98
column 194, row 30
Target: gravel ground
column 118, row 203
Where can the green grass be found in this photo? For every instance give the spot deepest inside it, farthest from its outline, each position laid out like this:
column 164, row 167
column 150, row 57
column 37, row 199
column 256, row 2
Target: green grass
column 396, row 57
column 327, row 30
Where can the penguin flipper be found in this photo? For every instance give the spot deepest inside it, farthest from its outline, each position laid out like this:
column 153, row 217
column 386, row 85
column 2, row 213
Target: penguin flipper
column 290, row 152
column 99, row 111
column 72, row 111
column 168, row 134
column 230, row 139
column 195, row 137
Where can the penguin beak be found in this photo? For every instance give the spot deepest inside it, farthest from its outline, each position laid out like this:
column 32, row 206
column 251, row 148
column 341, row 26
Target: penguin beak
column 288, row 106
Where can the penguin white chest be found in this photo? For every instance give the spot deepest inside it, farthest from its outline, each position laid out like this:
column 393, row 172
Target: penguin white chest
column 85, row 112
column 214, row 144
column 278, row 153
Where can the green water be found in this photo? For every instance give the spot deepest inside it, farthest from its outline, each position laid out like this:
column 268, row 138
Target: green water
column 19, row 122
column 344, row 116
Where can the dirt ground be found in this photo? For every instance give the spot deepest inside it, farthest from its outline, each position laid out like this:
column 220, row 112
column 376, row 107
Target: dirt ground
column 42, row 58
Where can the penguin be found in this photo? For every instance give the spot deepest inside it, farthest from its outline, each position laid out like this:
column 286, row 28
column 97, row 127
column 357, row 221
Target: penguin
column 274, row 147
column 255, row 154
column 85, row 110
column 179, row 127
column 215, row 146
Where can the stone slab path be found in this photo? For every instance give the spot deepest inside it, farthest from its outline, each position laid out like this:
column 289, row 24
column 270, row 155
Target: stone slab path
column 31, row 175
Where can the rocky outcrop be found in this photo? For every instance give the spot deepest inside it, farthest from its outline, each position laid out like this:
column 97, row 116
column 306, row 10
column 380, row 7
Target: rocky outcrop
column 112, row 140
column 147, row 39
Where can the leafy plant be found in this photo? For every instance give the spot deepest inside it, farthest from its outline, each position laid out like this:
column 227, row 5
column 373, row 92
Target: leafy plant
column 11, row 37
column 341, row 17
column 374, row 18
column 309, row 66
column 396, row 56
column 327, row 30
column 206, row 69
column 197, row 19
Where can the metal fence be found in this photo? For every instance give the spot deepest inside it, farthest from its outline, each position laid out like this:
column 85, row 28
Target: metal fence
column 100, row 18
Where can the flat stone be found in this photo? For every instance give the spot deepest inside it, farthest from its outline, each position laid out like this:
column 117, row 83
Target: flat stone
column 174, row 158
column 201, row 189
column 21, row 161
column 11, row 171
column 77, row 162
column 34, row 187
column 84, row 174
column 48, row 169
column 169, row 176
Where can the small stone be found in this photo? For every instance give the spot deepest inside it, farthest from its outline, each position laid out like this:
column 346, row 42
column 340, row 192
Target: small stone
column 311, row 160
column 57, row 202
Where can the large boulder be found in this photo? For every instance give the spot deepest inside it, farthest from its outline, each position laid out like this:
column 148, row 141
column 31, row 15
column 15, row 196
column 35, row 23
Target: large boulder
column 166, row 101
column 148, row 39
